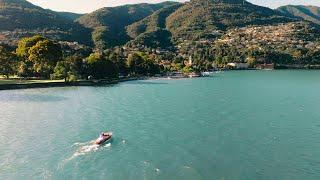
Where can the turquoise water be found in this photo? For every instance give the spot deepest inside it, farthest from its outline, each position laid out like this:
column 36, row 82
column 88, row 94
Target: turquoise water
column 236, row 125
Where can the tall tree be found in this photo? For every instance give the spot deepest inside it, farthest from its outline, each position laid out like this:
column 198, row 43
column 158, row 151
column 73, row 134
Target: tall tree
column 116, row 58
column 25, row 44
column 7, row 62
column 100, row 67
column 45, row 55
column 140, row 64
column 64, row 70
column 79, row 65
column 135, row 63
column 25, row 69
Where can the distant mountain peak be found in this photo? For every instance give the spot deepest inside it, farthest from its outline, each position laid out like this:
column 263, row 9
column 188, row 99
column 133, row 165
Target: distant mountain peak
column 220, row 1
column 308, row 13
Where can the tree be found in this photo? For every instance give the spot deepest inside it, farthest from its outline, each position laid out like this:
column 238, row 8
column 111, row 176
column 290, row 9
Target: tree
column 178, row 59
column 119, row 61
column 208, row 65
column 177, row 67
column 7, row 62
column 45, row 55
column 64, row 70
column 316, row 57
column 139, row 63
column 98, row 36
column 251, row 61
column 151, row 67
column 135, row 63
column 187, row 69
column 219, row 60
column 25, row 44
column 278, row 57
column 100, row 67
column 24, row 69
column 312, row 57
column 79, row 65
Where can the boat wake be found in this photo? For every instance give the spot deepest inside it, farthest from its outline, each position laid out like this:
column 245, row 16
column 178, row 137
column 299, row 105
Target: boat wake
column 88, row 147
column 84, row 148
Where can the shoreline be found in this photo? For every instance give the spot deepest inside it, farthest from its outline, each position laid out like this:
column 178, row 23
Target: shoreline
column 103, row 82
column 65, row 84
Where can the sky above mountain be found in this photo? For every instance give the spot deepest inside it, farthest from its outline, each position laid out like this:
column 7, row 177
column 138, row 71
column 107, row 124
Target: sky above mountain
column 85, row 6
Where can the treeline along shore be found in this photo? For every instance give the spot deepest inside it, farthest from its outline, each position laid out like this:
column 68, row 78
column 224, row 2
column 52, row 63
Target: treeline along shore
column 41, row 62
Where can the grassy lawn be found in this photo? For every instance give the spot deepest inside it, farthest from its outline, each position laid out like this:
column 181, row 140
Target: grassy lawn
column 18, row 81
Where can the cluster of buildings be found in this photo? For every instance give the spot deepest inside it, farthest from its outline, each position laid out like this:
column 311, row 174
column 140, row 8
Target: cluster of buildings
column 70, row 48
column 283, row 35
column 287, row 37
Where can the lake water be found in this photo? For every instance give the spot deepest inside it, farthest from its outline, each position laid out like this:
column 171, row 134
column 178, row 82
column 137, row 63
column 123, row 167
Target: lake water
column 236, row 125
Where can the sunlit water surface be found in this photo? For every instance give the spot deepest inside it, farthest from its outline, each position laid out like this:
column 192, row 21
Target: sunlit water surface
column 236, row 125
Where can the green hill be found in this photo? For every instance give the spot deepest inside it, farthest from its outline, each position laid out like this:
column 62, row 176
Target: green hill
column 152, row 30
column 153, row 22
column 199, row 18
column 159, row 38
column 308, row 13
column 109, row 24
column 22, row 16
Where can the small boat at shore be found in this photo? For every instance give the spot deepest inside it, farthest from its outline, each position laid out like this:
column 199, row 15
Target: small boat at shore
column 104, row 137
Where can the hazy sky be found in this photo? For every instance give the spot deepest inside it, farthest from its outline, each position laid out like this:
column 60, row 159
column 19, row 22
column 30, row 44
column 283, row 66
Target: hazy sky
column 84, row 6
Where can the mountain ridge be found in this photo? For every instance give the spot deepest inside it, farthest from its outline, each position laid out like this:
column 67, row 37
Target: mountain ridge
column 207, row 16
column 308, row 13
column 154, row 25
column 24, row 18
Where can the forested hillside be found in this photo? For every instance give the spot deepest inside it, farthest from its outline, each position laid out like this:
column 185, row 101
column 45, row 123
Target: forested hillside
column 309, row 13
column 21, row 17
column 152, row 30
column 201, row 18
column 109, row 24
